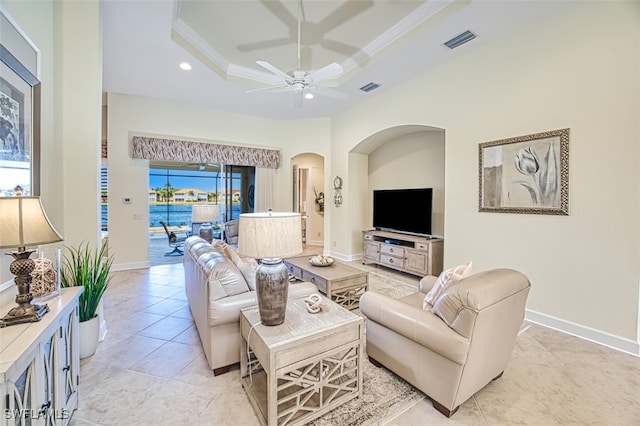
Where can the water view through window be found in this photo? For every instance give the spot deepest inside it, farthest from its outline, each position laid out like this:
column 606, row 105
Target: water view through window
column 174, row 188
column 174, row 191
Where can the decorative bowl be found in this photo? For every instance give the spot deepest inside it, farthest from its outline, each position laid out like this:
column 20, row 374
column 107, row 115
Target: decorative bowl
column 321, row 261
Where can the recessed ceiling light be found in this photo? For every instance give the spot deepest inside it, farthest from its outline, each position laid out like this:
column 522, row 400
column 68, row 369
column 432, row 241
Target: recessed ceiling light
column 308, row 95
column 185, row 66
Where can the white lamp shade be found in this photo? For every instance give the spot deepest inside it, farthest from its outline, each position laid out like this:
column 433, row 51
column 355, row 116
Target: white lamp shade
column 201, row 213
column 23, row 222
column 269, row 235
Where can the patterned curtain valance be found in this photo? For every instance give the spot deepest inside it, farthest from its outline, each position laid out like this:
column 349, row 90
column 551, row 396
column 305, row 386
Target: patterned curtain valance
column 148, row 148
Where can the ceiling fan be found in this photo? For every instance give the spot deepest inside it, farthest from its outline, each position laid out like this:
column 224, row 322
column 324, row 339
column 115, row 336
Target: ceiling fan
column 300, row 81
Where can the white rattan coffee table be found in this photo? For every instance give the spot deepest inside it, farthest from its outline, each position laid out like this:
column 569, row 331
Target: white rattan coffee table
column 342, row 283
column 303, row 368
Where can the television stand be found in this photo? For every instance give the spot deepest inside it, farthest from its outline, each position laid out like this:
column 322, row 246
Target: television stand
column 407, row 253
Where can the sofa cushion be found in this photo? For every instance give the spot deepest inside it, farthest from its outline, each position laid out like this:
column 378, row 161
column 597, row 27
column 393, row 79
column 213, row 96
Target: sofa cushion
column 225, row 279
column 198, row 246
column 447, row 277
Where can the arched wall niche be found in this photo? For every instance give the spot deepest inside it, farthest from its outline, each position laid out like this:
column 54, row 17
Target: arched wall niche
column 308, row 186
column 405, row 156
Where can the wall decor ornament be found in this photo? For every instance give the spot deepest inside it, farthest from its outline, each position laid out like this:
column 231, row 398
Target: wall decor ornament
column 525, row 174
column 337, row 187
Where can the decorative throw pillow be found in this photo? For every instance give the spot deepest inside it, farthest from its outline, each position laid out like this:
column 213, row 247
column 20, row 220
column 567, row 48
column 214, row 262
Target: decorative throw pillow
column 447, row 277
column 247, row 266
column 224, row 248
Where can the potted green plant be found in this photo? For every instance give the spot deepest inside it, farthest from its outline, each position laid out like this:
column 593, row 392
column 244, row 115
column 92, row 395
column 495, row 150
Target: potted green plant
column 90, row 269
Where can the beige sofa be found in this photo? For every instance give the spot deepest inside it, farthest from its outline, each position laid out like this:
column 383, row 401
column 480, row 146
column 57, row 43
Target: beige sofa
column 453, row 350
column 216, row 291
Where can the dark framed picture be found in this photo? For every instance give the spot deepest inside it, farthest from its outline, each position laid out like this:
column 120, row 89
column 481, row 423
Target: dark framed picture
column 526, row 174
column 19, row 117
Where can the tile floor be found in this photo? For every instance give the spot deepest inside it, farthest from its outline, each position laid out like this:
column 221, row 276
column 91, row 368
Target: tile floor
column 150, row 370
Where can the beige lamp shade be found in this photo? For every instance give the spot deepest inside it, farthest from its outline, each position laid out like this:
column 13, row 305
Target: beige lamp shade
column 269, row 235
column 23, row 222
column 201, row 213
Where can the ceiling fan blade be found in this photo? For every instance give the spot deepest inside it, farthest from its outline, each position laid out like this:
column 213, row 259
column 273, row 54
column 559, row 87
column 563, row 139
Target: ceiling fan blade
column 264, row 89
column 257, row 45
column 330, row 71
column 276, row 71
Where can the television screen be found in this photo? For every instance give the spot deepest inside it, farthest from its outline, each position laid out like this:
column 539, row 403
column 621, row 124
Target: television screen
column 403, row 210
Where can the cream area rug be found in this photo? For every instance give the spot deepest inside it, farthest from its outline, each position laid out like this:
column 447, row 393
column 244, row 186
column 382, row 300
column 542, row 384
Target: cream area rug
column 384, row 395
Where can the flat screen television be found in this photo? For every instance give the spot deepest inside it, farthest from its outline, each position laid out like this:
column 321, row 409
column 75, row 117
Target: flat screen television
column 403, row 210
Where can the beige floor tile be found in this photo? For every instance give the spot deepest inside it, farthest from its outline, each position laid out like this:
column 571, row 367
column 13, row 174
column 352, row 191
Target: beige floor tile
column 128, row 351
column 163, row 290
column 166, row 307
column 183, row 313
column 128, row 322
column 167, row 360
column 167, row 328
column 118, row 398
column 189, row 337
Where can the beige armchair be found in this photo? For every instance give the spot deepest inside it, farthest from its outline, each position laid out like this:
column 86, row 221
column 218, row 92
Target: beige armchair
column 454, row 350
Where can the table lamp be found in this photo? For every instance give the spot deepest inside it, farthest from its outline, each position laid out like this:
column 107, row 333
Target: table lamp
column 270, row 237
column 205, row 214
column 23, row 222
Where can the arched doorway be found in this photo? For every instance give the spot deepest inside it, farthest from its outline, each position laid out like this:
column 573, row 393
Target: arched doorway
column 308, row 195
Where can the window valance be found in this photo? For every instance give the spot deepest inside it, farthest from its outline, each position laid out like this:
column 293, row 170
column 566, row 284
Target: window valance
column 149, row 148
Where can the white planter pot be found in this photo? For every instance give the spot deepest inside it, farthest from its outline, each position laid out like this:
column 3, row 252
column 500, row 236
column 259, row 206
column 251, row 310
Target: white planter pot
column 89, row 333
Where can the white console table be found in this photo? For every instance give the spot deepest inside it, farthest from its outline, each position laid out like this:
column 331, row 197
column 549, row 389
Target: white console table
column 40, row 365
column 407, row 253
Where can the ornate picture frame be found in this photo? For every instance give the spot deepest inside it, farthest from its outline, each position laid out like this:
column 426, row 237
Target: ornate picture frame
column 19, row 113
column 525, row 174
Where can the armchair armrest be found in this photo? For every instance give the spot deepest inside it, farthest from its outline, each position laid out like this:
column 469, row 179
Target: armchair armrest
column 426, row 283
column 422, row 327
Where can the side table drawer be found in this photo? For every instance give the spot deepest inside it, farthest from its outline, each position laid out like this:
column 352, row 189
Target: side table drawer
column 294, row 270
column 319, row 281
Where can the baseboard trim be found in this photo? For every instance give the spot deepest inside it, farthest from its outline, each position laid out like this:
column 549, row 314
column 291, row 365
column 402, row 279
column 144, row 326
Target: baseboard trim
column 133, row 265
column 344, row 257
column 596, row 336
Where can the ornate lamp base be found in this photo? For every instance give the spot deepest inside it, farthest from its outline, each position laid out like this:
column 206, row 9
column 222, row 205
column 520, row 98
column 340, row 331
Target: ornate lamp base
column 272, row 287
column 25, row 312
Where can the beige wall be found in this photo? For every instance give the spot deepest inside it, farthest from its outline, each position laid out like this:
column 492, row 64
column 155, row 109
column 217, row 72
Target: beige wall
column 577, row 68
column 130, row 115
column 68, row 37
column 415, row 160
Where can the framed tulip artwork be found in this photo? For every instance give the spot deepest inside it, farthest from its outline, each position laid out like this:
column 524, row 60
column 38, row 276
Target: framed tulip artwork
column 526, row 174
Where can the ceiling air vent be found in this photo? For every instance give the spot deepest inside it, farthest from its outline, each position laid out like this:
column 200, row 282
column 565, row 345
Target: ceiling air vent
column 460, row 39
column 369, row 87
